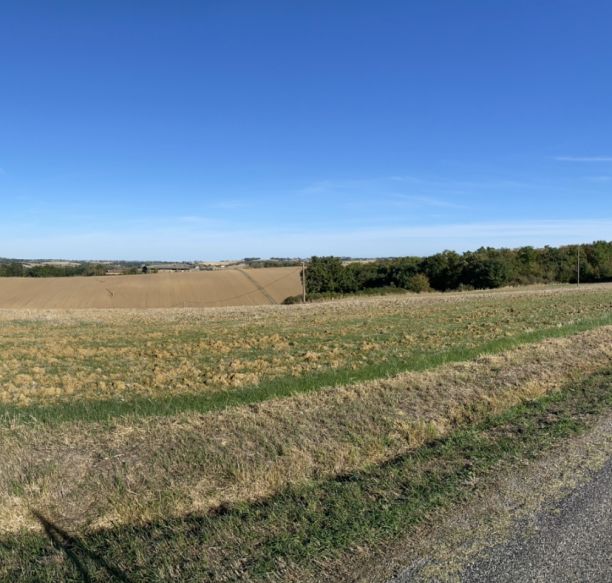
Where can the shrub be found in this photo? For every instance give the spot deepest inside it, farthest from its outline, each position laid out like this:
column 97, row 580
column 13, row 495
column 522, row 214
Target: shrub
column 292, row 300
column 418, row 283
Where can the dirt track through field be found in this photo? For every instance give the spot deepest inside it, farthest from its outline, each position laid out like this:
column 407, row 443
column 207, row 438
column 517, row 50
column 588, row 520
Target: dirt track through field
column 163, row 290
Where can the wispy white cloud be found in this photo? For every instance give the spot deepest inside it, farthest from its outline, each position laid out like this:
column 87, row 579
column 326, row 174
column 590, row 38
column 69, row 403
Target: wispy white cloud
column 420, row 191
column 339, row 186
column 429, row 201
column 391, row 190
column 174, row 242
column 599, row 178
column 566, row 227
column 460, row 186
column 192, row 219
column 583, row 158
column 230, row 204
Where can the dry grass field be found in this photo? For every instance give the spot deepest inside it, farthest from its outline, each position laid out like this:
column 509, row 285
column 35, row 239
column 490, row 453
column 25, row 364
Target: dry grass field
column 231, row 287
column 60, row 356
column 274, row 442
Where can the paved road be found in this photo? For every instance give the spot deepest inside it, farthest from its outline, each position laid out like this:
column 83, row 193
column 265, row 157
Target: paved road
column 572, row 543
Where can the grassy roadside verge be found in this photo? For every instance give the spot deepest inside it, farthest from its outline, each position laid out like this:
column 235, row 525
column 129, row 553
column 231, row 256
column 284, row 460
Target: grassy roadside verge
column 294, row 535
column 104, row 410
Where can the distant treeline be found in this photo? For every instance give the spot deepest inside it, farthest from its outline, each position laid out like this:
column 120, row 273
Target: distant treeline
column 485, row 268
column 17, row 269
column 260, row 263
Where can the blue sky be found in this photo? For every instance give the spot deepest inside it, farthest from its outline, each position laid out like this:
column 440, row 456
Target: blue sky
column 208, row 130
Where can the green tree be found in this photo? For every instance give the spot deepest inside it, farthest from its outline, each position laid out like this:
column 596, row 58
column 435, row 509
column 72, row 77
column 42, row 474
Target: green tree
column 12, row 269
column 486, row 269
column 324, row 274
column 444, row 270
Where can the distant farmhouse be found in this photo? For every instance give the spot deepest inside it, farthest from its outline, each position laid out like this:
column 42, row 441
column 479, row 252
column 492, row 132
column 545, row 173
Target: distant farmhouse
column 171, row 267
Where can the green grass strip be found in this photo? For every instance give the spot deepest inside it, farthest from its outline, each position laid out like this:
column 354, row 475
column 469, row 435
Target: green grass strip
column 308, row 526
column 87, row 410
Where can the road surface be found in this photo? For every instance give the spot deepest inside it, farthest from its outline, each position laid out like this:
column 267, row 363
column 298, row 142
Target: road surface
column 572, row 542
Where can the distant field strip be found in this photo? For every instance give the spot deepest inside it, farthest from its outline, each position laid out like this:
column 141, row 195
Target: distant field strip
column 227, row 287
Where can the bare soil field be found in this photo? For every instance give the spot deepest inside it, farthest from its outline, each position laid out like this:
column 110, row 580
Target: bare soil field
column 231, row 287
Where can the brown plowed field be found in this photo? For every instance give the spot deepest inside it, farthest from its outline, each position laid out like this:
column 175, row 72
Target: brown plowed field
column 232, row 287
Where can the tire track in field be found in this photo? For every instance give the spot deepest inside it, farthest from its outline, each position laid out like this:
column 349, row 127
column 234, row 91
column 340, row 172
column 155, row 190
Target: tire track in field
column 262, row 289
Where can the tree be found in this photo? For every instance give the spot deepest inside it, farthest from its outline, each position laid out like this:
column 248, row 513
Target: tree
column 484, row 271
column 402, row 271
column 598, row 259
column 12, row 269
column 444, row 270
column 327, row 274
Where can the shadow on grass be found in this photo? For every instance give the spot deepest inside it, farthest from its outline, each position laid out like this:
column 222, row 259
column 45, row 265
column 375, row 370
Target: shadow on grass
column 77, row 553
column 304, row 527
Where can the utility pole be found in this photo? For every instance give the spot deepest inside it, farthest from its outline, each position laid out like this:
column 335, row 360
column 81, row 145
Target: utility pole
column 303, row 282
column 578, row 268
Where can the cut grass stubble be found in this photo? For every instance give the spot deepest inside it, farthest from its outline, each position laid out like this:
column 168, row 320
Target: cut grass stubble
column 62, row 357
column 302, row 533
column 138, row 469
column 105, row 410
